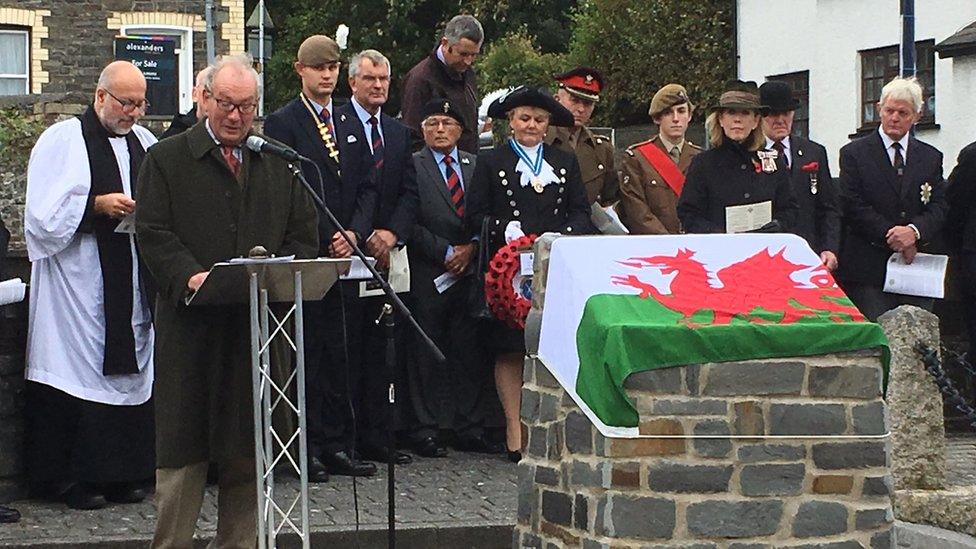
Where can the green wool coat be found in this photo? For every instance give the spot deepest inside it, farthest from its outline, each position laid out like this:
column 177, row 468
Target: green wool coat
column 190, row 214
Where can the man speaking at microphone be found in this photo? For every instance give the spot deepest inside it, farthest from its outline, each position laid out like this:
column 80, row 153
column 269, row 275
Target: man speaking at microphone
column 204, row 198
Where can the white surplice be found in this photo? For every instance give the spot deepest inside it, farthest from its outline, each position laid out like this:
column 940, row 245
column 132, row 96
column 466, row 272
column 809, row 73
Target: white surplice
column 66, row 333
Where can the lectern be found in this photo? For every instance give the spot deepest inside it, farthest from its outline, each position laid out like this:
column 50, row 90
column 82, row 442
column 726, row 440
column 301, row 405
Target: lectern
column 261, row 282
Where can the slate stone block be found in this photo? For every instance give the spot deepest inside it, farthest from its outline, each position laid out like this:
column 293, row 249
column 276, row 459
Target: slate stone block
column 849, row 455
column 642, row 517
column 734, row 519
column 807, row 419
column 689, row 479
column 819, row 519
column 845, row 382
column 778, row 479
column 754, row 378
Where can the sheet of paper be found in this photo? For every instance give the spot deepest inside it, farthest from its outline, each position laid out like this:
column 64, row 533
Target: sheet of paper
column 444, row 281
column 12, row 291
column 254, row 260
column 358, row 270
column 925, row 277
column 398, row 277
column 748, row 217
column 606, row 220
column 127, row 225
column 526, row 261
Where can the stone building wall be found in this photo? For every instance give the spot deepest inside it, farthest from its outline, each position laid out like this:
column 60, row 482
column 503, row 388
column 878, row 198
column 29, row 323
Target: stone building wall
column 729, row 488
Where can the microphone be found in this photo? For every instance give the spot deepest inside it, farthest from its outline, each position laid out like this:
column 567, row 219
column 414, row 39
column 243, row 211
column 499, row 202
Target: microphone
column 261, row 145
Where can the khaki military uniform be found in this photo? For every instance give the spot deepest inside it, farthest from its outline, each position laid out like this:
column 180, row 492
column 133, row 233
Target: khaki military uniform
column 595, row 155
column 647, row 203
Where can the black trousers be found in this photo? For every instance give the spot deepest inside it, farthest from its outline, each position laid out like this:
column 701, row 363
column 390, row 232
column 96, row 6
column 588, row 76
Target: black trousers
column 967, row 262
column 73, row 440
column 873, row 302
column 330, row 381
column 449, row 395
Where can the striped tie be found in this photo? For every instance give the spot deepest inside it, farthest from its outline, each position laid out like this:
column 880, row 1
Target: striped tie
column 374, row 136
column 454, row 186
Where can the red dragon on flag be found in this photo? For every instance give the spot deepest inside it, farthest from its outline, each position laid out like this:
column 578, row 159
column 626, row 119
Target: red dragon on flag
column 750, row 289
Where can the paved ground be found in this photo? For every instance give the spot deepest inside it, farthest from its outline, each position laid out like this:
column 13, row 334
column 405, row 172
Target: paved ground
column 961, row 457
column 465, row 500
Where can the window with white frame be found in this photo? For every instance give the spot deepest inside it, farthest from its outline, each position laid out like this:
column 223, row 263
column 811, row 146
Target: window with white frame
column 183, row 36
column 14, row 61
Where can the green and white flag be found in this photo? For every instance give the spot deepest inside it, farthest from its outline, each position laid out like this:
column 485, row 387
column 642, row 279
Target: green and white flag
column 619, row 305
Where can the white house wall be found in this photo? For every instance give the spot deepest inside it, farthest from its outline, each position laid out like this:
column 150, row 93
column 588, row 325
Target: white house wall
column 825, row 36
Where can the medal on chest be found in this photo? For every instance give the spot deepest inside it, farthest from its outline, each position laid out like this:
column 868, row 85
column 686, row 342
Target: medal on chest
column 767, row 160
column 535, row 165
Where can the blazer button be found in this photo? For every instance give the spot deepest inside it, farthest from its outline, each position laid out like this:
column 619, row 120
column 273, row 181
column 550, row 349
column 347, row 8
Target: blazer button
column 233, row 228
column 555, row 211
column 903, row 215
column 228, row 194
column 745, row 195
column 742, row 167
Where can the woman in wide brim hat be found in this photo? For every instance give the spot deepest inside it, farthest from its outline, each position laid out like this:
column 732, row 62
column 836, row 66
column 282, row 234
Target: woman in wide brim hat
column 736, row 171
column 521, row 187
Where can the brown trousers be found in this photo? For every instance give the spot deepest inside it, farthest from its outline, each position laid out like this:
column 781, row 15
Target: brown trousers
column 179, row 496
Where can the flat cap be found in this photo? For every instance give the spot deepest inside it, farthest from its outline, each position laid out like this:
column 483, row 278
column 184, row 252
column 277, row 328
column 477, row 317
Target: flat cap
column 667, row 97
column 532, row 97
column 317, row 50
column 442, row 107
column 583, row 82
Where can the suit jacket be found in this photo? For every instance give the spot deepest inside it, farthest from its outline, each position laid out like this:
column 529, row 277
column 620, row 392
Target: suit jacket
column 647, row 203
column 960, row 229
column 875, row 202
column 496, row 193
column 193, row 213
column 348, row 187
column 430, row 79
column 595, row 156
column 396, row 181
column 818, row 219
column 438, row 223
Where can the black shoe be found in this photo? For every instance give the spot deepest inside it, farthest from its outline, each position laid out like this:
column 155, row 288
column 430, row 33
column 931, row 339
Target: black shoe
column 340, row 463
column 515, row 456
column 8, row 515
column 83, row 498
column 382, row 454
column 123, row 492
column 477, row 444
column 429, row 447
column 317, row 471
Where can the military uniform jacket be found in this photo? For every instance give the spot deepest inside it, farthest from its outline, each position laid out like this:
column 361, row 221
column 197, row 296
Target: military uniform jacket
column 495, row 193
column 647, row 203
column 875, row 202
column 191, row 214
column 818, row 218
column 727, row 176
column 595, row 156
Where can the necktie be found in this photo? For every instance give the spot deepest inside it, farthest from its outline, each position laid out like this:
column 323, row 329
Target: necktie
column 899, row 162
column 454, row 186
column 231, row 159
column 326, row 119
column 675, row 154
column 374, row 137
column 781, row 150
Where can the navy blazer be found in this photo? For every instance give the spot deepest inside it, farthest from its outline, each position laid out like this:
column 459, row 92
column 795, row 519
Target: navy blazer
column 875, row 202
column 396, row 181
column 818, row 217
column 351, row 196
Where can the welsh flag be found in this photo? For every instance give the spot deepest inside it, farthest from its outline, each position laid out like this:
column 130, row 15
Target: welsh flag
column 619, row 305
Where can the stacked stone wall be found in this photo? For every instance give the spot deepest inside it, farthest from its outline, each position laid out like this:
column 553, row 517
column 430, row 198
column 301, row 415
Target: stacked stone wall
column 786, row 453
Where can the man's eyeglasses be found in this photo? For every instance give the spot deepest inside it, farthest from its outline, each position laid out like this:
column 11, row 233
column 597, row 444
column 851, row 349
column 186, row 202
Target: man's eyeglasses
column 129, row 106
column 435, row 123
column 229, row 106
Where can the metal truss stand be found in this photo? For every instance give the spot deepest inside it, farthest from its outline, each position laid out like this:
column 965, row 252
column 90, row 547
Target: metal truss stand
column 277, row 511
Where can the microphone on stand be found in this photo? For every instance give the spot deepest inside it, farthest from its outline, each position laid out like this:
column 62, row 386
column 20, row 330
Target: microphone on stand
column 261, row 145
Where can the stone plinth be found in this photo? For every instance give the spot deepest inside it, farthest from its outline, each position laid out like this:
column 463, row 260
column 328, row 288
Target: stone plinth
column 770, row 453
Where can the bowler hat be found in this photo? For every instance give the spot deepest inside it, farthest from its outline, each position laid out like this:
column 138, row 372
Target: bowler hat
column 582, row 82
column 740, row 94
column 531, row 97
column 777, row 96
column 442, row 107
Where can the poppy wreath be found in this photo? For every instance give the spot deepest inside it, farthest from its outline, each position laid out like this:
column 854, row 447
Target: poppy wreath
column 507, row 304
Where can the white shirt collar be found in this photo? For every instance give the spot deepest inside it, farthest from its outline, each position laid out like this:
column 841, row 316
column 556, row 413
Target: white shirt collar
column 785, row 140
column 440, row 54
column 439, row 156
column 888, row 141
column 363, row 115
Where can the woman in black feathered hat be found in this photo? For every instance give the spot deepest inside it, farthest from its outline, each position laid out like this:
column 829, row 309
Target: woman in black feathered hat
column 521, row 187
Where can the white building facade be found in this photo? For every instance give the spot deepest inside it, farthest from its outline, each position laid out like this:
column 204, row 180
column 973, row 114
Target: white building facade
column 838, row 53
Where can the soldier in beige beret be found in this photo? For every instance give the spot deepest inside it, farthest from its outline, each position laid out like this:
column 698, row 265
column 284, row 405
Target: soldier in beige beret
column 653, row 170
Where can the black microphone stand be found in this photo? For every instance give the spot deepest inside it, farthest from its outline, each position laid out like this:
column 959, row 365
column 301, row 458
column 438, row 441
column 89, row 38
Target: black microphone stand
column 388, row 320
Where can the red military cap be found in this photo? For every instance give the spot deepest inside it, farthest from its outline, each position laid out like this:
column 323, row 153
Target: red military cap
column 582, row 82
